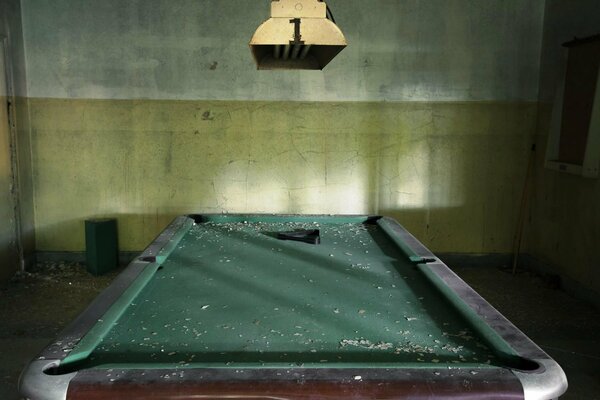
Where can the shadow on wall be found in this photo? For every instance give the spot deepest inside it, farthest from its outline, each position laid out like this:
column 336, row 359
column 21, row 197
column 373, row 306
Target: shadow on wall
column 452, row 173
column 8, row 257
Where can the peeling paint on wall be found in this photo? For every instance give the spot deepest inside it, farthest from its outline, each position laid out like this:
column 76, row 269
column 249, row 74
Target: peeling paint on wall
column 564, row 223
column 11, row 29
column 449, row 171
column 409, row 50
column 148, row 109
column 9, row 260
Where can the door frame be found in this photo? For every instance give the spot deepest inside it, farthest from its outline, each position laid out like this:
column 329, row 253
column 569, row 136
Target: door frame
column 14, row 162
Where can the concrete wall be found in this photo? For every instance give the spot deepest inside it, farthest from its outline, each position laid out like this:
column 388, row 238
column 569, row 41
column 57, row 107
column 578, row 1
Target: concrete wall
column 8, row 238
column 148, row 109
column 564, row 228
column 429, row 164
column 11, row 30
column 433, row 50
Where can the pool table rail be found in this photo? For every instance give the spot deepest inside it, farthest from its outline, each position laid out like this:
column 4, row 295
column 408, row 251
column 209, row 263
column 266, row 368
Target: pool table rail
column 541, row 376
column 290, row 384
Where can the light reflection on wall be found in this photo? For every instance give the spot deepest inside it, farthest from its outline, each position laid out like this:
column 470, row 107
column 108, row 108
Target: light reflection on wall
column 145, row 162
column 404, row 183
column 294, row 187
column 342, row 184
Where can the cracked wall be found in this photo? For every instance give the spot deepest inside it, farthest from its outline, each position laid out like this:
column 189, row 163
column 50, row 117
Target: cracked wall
column 409, row 50
column 144, row 110
column 445, row 170
column 8, row 248
column 16, row 149
column 564, row 223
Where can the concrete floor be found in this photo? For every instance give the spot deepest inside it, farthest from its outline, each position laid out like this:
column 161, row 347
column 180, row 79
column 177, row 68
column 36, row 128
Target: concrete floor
column 34, row 307
column 564, row 327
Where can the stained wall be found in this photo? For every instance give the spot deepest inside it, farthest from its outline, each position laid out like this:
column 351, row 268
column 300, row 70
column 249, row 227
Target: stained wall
column 144, row 110
column 17, row 240
column 564, row 225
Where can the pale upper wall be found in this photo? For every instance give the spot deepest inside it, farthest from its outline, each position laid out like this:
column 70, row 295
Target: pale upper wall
column 411, row 50
column 11, row 29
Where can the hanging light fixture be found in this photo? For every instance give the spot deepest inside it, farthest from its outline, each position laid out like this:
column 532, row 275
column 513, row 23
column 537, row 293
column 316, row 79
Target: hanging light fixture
column 301, row 34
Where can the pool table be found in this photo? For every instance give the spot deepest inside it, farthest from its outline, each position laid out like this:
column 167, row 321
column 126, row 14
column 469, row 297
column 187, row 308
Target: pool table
column 290, row 307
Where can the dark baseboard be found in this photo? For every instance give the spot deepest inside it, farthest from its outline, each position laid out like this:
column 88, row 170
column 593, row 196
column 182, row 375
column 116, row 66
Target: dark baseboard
column 569, row 285
column 125, row 257
column 475, row 260
column 527, row 262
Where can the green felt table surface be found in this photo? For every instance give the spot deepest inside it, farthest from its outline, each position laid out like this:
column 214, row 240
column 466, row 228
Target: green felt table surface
column 232, row 294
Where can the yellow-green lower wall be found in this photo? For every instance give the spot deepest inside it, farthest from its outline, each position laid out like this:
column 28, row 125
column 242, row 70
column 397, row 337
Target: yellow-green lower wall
column 452, row 173
column 564, row 223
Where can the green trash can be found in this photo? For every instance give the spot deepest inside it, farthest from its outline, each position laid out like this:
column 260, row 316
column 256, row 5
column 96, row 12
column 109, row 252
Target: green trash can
column 101, row 245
